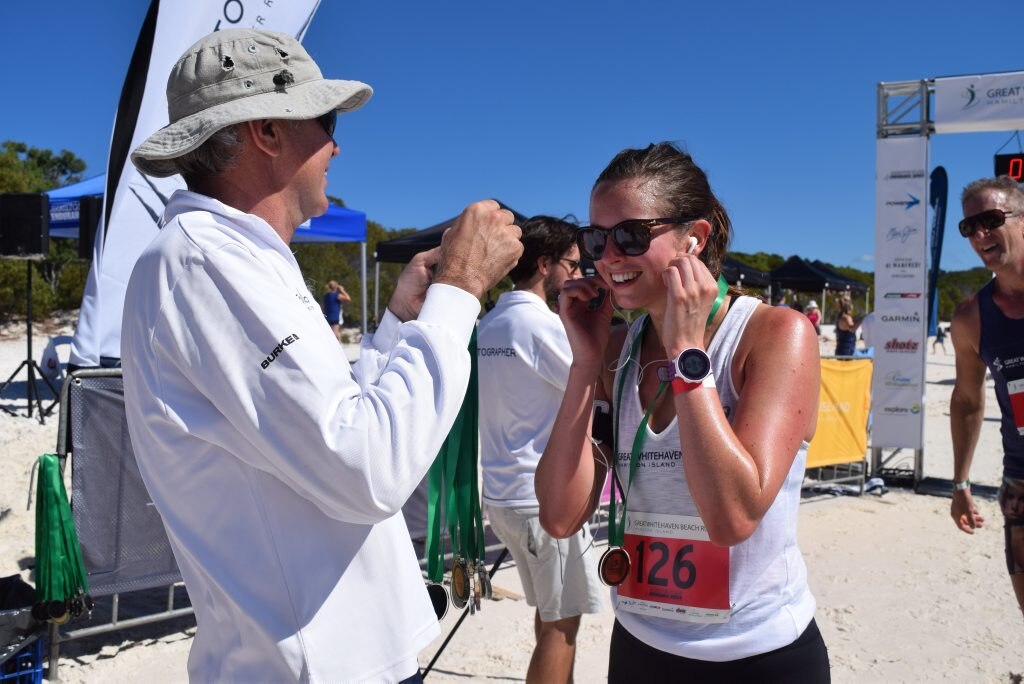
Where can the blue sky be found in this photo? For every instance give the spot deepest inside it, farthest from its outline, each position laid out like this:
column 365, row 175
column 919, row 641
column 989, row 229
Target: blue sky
column 527, row 101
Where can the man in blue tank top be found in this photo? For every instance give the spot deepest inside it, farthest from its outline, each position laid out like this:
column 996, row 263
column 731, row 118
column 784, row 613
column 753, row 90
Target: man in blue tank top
column 988, row 331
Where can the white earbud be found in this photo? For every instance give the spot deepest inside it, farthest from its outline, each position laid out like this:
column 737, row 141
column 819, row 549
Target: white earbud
column 693, row 244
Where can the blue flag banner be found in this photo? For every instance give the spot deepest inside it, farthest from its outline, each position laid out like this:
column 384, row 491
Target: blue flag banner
column 937, row 199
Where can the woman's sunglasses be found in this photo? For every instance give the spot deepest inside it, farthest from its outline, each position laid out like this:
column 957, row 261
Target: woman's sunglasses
column 989, row 220
column 632, row 236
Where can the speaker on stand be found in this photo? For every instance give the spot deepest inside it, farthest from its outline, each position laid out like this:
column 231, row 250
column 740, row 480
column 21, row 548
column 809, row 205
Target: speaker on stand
column 25, row 235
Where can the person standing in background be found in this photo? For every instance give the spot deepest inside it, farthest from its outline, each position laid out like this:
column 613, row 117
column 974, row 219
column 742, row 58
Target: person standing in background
column 988, row 333
column 846, row 328
column 333, row 298
column 814, row 316
column 524, row 361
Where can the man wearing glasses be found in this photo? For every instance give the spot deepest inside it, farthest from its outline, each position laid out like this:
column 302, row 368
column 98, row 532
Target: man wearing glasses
column 988, row 332
column 524, row 362
column 279, row 470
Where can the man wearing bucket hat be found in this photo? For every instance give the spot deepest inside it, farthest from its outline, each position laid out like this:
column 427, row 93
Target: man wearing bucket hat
column 278, row 469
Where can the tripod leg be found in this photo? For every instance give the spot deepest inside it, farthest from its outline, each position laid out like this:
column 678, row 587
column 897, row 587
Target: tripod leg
column 8, row 383
column 53, row 391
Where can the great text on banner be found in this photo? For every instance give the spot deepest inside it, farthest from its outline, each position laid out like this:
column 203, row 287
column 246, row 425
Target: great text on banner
column 969, row 104
column 139, row 201
column 897, row 386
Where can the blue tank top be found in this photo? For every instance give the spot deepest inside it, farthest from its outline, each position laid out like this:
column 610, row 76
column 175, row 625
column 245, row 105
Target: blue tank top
column 332, row 307
column 846, row 342
column 1002, row 349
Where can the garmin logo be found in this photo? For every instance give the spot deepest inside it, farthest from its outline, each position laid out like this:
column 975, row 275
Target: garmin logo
column 276, row 351
column 902, row 346
column 901, row 318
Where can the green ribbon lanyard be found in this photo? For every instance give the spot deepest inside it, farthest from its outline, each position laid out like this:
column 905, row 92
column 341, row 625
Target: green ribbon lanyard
column 454, row 472
column 617, row 526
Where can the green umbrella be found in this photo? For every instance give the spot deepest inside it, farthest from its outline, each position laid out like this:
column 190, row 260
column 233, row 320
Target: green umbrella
column 61, row 586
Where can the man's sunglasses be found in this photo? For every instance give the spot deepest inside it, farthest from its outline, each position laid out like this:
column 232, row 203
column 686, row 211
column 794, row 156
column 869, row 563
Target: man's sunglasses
column 989, row 220
column 329, row 121
column 572, row 264
column 632, row 236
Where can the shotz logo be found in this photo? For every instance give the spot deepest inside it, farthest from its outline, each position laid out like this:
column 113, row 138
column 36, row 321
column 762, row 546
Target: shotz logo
column 902, row 318
column 898, row 346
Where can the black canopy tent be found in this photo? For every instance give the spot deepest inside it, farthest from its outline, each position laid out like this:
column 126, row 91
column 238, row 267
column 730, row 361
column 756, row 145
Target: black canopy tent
column 804, row 276
column 736, row 272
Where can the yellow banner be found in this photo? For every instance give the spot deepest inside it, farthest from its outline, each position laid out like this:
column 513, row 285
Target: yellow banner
column 842, row 434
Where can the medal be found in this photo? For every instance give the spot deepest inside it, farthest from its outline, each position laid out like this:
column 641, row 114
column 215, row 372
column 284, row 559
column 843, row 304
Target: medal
column 460, row 583
column 438, row 599
column 613, row 568
column 484, row 578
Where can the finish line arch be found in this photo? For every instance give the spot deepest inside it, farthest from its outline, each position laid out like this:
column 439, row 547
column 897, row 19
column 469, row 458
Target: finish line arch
column 908, row 114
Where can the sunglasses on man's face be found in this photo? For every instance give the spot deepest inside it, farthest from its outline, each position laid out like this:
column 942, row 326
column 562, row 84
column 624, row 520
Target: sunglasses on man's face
column 632, row 236
column 328, row 122
column 989, row 220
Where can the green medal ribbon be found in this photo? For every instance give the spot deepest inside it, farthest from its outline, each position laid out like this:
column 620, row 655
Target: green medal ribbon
column 617, row 526
column 454, row 474
column 60, row 572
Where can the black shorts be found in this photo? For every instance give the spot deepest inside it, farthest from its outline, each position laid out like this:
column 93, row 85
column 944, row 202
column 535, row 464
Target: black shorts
column 805, row 661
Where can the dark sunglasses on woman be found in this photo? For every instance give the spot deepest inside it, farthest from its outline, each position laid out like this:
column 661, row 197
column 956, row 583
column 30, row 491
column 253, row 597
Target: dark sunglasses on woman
column 989, row 220
column 632, row 236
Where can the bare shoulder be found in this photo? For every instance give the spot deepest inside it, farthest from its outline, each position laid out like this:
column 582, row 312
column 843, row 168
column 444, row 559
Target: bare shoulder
column 965, row 328
column 775, row 337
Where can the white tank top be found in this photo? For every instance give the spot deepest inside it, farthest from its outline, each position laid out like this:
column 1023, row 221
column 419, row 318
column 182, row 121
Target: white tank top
column 770, row 602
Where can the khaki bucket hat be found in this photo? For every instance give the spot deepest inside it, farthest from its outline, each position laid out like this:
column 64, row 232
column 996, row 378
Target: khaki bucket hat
column 240, row 75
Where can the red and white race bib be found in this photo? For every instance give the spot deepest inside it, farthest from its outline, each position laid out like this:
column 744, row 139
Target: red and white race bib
column 1015, row 388
column 675, row 570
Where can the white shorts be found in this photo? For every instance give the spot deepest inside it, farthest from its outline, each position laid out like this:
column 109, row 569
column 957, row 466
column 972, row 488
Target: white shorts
column 559, row 576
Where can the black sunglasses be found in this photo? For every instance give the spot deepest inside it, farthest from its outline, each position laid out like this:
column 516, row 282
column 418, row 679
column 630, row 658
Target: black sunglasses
column 328, row 121
column 989, row 220
column 573, row 264
column 632, row 236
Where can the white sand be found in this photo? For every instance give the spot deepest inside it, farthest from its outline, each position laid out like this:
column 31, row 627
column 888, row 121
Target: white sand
column 902, row 595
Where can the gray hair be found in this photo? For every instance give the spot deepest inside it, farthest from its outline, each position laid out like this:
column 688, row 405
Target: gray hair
column 1004, row 184
column 217, row 154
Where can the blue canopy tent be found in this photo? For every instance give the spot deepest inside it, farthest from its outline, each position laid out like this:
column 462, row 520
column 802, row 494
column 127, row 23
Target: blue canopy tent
column 338, row 224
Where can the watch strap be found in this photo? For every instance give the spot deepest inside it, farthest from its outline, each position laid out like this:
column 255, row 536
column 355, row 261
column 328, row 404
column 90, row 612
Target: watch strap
column 680, row 386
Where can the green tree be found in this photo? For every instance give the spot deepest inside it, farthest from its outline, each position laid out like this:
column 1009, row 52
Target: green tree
column 29, row 169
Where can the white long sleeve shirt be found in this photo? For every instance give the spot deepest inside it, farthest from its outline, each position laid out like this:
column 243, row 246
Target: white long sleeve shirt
column 524, row 357
column 278, row 469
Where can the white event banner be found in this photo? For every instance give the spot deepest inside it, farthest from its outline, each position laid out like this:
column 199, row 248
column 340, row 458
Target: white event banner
column 901, row 268
column 139, row 200
column 966, row 104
